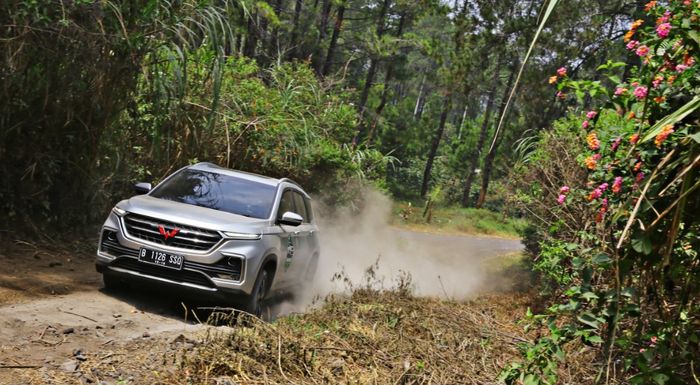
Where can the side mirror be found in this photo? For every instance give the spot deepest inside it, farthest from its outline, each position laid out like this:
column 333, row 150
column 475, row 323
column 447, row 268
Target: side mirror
column 142, row 188
column 291, row 219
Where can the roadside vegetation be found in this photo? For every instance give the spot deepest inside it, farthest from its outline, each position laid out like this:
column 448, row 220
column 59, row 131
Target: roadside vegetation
column 456, row 220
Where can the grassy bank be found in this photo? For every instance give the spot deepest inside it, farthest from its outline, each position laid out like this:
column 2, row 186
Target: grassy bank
column 456, row 220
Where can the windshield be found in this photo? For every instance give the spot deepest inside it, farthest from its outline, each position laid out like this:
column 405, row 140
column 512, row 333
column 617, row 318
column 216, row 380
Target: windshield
column 219, row 192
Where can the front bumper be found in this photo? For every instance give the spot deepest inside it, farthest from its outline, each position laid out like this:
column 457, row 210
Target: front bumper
column 223, row 270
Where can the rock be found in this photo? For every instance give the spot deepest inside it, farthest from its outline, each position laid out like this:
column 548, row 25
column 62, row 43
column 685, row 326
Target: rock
column 70, row 366
column 68, row 331
column 54, row 264
column 98, row 327
column 116, row 315
column 146, row 334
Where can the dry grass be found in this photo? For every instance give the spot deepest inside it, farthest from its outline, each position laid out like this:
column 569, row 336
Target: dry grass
column 382, row 337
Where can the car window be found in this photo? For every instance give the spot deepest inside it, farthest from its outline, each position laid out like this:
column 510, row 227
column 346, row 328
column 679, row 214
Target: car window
column 300, row 206
column 307, row 203
column 286, row 203
column 219, row 192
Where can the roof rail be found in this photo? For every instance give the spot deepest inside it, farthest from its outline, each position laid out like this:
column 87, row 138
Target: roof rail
column 290, row 181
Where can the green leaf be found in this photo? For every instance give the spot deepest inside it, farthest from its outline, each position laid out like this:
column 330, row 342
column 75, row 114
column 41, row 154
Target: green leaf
column 672, row 118
column 595, row 340
column 642, row 245
column 589, row 296
column 695, row 136
column 530, row 379
column 661, row 378
column 601, row 259
column 695, row 36
column 588, row 319
column 615, row 79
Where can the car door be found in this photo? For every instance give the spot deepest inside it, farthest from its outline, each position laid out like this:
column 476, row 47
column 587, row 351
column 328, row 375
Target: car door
column 291, row 265
column 303, row 234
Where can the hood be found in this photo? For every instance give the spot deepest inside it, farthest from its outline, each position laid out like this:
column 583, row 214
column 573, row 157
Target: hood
column 192, row 215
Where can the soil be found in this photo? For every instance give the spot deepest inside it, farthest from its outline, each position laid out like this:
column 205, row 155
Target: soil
column 58, row 325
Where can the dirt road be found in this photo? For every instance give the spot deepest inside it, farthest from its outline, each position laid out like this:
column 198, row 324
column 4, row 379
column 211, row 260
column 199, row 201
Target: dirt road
column 55, row 317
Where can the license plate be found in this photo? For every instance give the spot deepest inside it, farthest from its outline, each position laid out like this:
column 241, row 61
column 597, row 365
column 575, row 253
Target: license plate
column 160, row 258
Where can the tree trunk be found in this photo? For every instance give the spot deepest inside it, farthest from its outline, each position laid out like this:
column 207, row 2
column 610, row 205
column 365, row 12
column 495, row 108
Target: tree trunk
column 419, row 100
column 322, row 32
column 488, row 162
column 273, row 49
column 474, row 161
column 371, row 72
column 435, row 145
column 334, row 40
column 294, row 44
column 251, row 39
column 387, row 79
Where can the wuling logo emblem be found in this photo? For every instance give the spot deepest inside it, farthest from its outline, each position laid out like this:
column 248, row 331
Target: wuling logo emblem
column 167, row 234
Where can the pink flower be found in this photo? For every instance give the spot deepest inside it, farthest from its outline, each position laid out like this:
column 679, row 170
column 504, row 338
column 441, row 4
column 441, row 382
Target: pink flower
column 658, row 79
column 591, row 114
column 664, row 18
column 603, row 187
column 681, row 68
column 561, row 95
column 640, row 92
column 561, row 199
column 564, row 190
column 595, row 194
column 620, row 90
column 617, row 185
column 663, row 30
column 561, row 71
column 642, row 350
column 642, row 50
column 653, row 340
column 632, row 45
column 585, row 124
column 640, row 177
column 616, row 143
column 604, row 202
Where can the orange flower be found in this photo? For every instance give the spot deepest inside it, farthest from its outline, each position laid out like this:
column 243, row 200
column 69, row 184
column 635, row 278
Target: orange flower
column 592, row 161
column 553, row 79
column 649, row 6
column 634, row 138
column 661, row 137
column 660, row 99
column 637, row 23
column 631, row 115
column 593, row 142
column 628, row 36
column 637, row 166
column 671, row 79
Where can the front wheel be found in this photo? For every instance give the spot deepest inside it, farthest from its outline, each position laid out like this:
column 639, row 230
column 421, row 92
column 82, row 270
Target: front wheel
column 255, row 304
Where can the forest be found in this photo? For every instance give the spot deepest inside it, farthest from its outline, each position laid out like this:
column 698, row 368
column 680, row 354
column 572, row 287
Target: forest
column 581, row 117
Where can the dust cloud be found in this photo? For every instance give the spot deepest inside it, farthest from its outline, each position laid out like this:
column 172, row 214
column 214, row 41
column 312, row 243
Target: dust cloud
column 354, row 240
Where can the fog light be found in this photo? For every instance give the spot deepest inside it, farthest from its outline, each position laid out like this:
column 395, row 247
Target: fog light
column 225, row 276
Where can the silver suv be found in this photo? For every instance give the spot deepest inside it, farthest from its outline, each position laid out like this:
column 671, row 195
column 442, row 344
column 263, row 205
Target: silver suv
column 219, row 233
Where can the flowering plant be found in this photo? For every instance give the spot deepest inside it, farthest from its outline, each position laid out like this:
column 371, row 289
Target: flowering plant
column 637, row 263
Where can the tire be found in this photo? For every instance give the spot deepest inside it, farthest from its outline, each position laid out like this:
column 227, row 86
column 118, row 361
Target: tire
column 111, row 282
column 256, row 304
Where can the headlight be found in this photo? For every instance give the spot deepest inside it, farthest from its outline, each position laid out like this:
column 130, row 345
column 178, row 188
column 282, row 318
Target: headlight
column 232, row 235
column 118, row 211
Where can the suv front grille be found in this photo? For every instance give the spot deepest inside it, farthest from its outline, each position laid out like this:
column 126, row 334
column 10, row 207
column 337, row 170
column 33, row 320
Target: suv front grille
column 187, row 237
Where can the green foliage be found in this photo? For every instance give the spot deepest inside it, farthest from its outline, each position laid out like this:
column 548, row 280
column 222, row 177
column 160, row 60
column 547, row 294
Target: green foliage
column 458, row 219
column 632, row 290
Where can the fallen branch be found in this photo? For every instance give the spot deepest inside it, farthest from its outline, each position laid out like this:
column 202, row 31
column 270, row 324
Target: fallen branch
column 79, row 315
